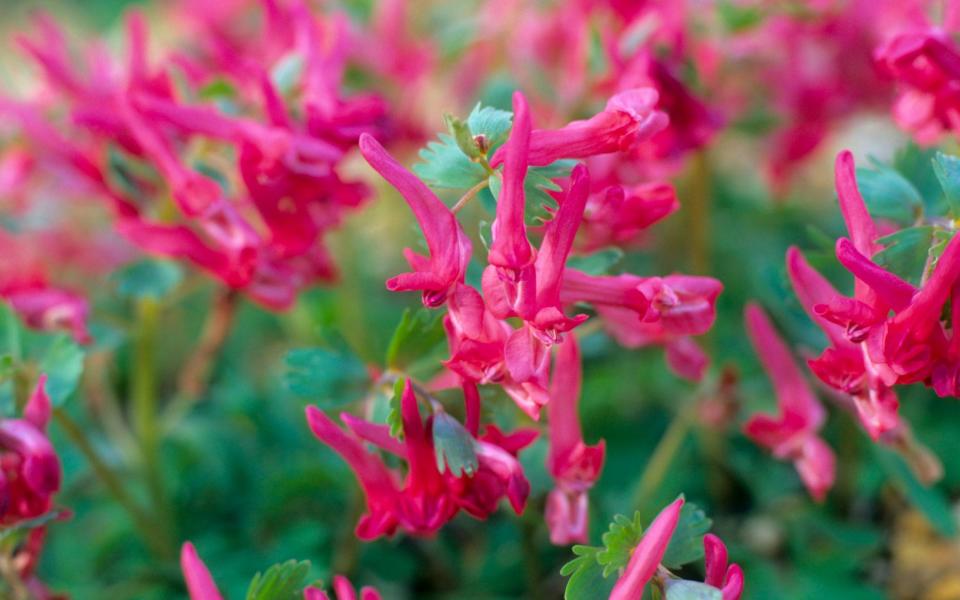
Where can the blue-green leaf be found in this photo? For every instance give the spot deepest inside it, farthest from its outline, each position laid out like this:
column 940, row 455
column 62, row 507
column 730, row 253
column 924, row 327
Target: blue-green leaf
column 444, row 165
column 492, row 123
column 947, row 169
column 597, row 263
column 681, row 589
column 686, row 544
column 888, row 194
column 453, row 446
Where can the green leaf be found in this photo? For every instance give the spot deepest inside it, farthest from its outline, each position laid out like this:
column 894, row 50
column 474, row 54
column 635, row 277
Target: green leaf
column 888, row 194
column 444, row 165
column 681, row 589
column 619, row 541
column 417, row 335
column 148, row 279
column 491, row 123
column 395, row 416
column 328, row 377
column 930, row 501
column 464, row 137
column 597, row 263
column 453, row 446
column 587, row 581
column 736, row 17
column 281, row 582
column 906, row 251
column 686, row 544
column 218, row 89
column 947, row 169
column 63, row 363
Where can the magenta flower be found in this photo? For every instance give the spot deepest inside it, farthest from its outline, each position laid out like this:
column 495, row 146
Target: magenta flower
column 645, row 560
column 449, row 246
column 41, row 305
column 927, row 65
column 29, row 466
column 646, row 557
column 641, row 311
column 574, row 465
column 618, row 214
column 510, row 250
column 630, row 118
column 792, row 434
column 427, row 498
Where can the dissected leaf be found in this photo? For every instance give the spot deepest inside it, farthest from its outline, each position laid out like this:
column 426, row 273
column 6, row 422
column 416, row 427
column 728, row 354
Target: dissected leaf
column 492, row 123
column 453, row 446
column 905, row 253
column 947, row 169
column 444, row 165
column 283, row 581
column 686, row 544
column 587, row 581
column 464, row 137
column 888, row 194
column 619, row 541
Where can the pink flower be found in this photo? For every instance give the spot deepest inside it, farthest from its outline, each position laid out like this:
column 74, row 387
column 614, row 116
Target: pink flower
column 342, row 590
column 427, row 498
column 792, row 434
column 728, row 578
column 449, row 246
column 574, row 465
column 630, row 118
column 618, row 214
column 41, row 305
column 645, row 560
column 646, row 557
column 29, row 466
column 927, row 65
column 640, row 311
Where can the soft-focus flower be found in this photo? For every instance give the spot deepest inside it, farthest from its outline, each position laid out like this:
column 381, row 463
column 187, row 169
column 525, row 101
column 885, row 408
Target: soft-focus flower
column 793, row 433
column 629, row 119
column 29, row 466
column 574, row 465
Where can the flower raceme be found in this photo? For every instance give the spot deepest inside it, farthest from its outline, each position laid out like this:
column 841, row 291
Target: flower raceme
column 257, row 225
column 792, row 434
column 425, row 498
column 200, row 584
column 644, row 565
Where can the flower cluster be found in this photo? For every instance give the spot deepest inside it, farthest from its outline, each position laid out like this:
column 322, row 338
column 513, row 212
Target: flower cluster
column 222, row 158
column 504, row 334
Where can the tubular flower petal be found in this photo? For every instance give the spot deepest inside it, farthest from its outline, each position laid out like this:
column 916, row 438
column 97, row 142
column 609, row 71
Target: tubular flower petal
column 449, row 247
column 792, row 435
column 647, row 555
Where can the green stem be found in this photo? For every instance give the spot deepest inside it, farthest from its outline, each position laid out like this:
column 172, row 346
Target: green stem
column 662, row 457
column 699, row 214
column 156, row 538
column 469, row 195
column 144, row 405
